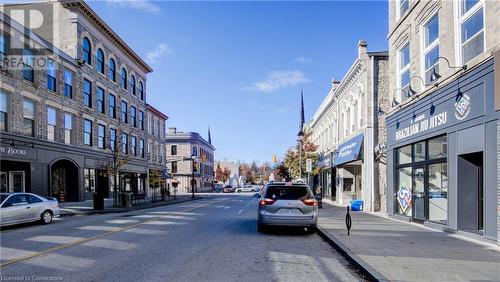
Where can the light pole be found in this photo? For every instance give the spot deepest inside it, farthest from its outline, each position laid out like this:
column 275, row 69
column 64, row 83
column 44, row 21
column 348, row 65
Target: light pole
column 192, row 175
column 300, row 139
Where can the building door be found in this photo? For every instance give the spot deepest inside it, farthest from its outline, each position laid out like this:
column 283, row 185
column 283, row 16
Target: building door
column 418, row 194
column 16, row 181
column 470, row 192
column 3, row 182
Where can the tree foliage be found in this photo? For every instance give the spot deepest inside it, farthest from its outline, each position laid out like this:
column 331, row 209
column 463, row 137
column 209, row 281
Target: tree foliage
column 292, row 158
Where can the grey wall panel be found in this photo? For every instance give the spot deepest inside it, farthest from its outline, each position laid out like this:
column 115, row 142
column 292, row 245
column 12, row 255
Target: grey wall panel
column 390, row 182
column 490, row 181
column 452, row 180
column 470, row 140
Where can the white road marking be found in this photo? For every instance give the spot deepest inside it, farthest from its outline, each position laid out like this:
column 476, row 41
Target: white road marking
column 240, row 211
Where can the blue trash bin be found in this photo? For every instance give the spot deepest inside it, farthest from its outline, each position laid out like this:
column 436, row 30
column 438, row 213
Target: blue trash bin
column 357, row 205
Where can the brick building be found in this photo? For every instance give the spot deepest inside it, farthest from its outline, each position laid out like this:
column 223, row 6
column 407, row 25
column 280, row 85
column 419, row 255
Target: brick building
column 442, row 128
column 64, row 120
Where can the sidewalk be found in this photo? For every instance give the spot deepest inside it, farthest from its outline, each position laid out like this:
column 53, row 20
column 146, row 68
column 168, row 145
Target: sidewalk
column 392, row 250
column 86, row 207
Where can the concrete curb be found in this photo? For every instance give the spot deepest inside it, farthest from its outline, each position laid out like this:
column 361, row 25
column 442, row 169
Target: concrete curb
column 351, row 256
column 122, row 210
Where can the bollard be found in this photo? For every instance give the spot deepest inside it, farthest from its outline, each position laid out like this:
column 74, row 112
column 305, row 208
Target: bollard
column 348, row 222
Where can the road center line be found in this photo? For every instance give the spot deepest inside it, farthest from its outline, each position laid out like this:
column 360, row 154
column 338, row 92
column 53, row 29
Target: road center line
column 240, row 211
column 64, row 246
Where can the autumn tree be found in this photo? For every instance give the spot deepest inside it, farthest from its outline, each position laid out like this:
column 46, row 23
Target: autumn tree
column 226, row 173
column 292, row 158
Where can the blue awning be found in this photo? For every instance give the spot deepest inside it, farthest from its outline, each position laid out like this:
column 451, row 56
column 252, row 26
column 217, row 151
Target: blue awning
column 349, row 151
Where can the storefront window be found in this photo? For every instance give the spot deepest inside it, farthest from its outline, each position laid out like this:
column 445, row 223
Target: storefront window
column 403, row 197
column 404, row 155
column 89, row 179
column 438, row 148
column 438, row 192
column 419, row 151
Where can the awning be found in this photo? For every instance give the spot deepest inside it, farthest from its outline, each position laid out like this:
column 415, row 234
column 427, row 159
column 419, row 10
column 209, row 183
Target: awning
column 325, row 161
column 349, row 151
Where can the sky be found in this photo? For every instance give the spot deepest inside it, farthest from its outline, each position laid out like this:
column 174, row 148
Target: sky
column 239, row 67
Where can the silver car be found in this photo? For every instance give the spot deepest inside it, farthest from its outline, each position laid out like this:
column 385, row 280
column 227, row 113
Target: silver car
column 287, row 204
column 26, row 207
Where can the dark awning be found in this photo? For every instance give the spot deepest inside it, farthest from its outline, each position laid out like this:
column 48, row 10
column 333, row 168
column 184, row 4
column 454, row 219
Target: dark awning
column 349, row 151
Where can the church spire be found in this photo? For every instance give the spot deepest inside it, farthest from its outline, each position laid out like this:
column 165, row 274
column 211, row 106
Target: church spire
column 209, row 136
column 302, row 119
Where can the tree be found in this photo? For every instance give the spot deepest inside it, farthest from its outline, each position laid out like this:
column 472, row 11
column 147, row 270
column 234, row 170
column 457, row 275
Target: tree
column 155, row 181
column 282, row 172
column 219, row 174
column 113, row 167
column 226, row 173
column 292, row 158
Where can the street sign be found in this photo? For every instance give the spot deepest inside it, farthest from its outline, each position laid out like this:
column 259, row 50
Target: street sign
column 309, row 166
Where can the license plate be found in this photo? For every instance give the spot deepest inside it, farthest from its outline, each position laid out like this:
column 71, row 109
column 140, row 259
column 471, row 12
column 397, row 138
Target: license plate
column 289, row 211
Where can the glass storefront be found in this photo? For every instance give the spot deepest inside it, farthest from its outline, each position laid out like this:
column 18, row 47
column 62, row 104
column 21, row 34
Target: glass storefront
column 422, row 180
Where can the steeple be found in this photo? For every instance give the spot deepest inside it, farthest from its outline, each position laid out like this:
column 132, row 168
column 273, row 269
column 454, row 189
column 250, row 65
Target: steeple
column 301, row 122
column 209, row 136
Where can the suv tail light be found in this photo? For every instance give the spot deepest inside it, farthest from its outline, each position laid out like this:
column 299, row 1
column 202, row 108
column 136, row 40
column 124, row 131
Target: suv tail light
column 266, row 202
column 310, row 202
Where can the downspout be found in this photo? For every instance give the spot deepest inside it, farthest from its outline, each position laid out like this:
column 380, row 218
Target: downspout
column 372, row 117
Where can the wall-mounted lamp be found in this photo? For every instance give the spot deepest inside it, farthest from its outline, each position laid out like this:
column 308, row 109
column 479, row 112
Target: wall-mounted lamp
column 435, row 75
column 412, row 91
column 395, row 102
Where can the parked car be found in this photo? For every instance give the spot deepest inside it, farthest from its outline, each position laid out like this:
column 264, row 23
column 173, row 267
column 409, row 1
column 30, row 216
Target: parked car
column 26, row 207
column 228, row 189
column 246, row 188
column 287, row 204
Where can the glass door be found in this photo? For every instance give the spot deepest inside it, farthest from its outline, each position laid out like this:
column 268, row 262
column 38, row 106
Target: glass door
column 418, row 193
column 16, row 181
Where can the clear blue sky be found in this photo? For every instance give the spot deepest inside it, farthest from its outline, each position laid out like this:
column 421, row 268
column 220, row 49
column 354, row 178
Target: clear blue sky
column 238, row 67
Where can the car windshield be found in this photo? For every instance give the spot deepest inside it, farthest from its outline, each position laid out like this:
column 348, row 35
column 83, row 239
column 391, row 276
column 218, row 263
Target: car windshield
column 288, row 193
column 3, row 197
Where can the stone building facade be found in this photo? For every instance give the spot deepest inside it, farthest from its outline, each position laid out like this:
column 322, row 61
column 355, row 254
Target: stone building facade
column 66, row 118
column 347, row 128
column 442, row 125
column 189, row 155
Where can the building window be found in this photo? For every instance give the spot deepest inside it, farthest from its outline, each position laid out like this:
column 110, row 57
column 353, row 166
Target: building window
column 112, row 106
column 101, row 136
column 132, row 85
column 89, row 182
column 404, row 69
column 68, row 127
column 141, row 148
column 149, row 123
column 112, row 70
column 87, row 132
column 153, row 125
column 133, row 146
column 51, row 124
column 141, row 120
column 87, row 93
column 51, row 75
column 4, row 45
column 86, row 50
column 133, row 120
column 68, row 84
column 28, row 118
column 3, row 112
column 471, row 23
column 140, row 90
column 403, row 7
column 100, row 61
column 173, row 150
column 124, row 112
column 100, row 100
column 112, row 139
column 123, row 80
column 28, row 70
column 174, row 167
column 431, row 47
column 195, row 151
column 125, row 143
column 415, row 197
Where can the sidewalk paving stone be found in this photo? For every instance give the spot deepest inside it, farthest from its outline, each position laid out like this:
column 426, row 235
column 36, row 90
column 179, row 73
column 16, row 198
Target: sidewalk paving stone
column 393, row 250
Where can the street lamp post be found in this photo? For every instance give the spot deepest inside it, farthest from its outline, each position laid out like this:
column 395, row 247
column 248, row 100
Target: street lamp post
column 192, row 175
column 300, row 139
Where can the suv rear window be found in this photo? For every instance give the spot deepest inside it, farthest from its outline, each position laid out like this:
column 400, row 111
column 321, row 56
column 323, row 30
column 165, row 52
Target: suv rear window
column 288, row 193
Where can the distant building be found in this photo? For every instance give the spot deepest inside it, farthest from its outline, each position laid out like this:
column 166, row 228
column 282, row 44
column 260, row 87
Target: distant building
column 181, row 147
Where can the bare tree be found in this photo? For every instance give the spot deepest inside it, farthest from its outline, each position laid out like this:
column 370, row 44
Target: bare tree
column 114, row 165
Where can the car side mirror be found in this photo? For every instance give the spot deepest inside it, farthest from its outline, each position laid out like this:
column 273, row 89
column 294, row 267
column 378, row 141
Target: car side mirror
column 256, row 195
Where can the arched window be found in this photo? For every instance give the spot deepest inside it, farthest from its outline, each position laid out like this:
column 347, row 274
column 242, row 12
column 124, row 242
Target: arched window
column 132, row 84
column 195, row 151
column 100, row 61
column 123, row 81
column 112, row 70
column 86, row 50
column 141, row 91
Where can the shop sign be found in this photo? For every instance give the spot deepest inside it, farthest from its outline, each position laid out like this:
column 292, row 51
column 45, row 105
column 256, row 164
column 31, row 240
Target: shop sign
column 18, row 153
column 404, row 197
column 309, row 166
column 421, row 124
column 349, row 151
column 462, row 107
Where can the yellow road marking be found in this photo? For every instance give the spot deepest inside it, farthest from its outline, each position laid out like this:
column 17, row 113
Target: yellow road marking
column 91, row 238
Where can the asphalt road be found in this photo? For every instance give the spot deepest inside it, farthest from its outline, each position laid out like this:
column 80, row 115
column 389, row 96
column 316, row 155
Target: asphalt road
column 211, row 239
